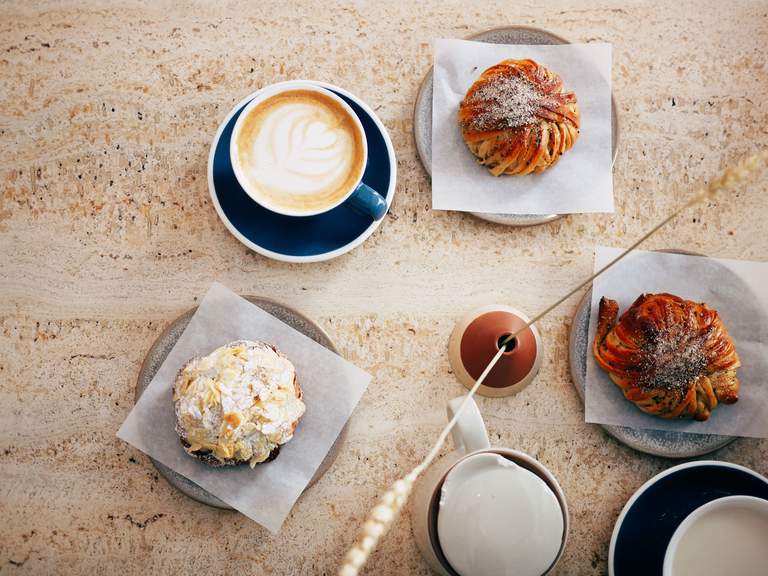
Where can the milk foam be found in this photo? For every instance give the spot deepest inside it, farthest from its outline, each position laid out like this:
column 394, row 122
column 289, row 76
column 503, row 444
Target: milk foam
column 724, row 542
column 496, row 517
column 300, row 150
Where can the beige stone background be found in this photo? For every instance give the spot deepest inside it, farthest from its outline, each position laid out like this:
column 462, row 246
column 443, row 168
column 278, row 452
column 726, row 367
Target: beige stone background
column 107, row 234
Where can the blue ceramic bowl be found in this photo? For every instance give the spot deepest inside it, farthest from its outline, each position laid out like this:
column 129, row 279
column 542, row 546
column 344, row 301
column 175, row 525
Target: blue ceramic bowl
column 648, row 520
column 300, row 238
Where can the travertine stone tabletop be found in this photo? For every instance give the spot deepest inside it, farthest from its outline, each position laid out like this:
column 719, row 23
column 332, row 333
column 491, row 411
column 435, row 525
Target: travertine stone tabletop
column 107, row 233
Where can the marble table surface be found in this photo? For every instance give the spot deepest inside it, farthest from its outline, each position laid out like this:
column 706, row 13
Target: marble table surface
column 107, row 233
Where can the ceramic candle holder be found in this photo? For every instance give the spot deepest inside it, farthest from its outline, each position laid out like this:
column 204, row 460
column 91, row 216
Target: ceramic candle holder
column 475, row 341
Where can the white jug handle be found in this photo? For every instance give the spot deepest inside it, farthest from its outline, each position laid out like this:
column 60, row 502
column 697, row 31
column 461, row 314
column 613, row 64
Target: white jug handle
column 469, row 433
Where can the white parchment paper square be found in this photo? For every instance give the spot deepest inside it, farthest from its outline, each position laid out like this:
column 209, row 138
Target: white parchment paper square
column 735, row 288
column 582, row 181
column 331, row 386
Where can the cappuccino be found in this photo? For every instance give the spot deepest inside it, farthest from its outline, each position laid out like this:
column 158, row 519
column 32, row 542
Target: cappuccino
column 745, row 554
column 299, row 151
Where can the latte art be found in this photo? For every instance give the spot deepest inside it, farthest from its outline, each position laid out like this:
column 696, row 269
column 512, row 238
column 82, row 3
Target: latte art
column 300, row 151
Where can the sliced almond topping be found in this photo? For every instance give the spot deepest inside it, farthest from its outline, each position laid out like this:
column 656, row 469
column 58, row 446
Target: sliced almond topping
column 233, row 419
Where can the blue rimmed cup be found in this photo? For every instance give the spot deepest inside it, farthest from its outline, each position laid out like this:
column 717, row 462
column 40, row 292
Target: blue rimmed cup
column 359, row 196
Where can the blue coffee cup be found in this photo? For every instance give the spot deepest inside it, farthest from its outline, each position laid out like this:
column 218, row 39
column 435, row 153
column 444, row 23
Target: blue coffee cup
column 361, row 197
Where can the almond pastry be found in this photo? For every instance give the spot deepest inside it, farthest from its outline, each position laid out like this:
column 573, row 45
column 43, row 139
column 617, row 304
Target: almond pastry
column 238, row 404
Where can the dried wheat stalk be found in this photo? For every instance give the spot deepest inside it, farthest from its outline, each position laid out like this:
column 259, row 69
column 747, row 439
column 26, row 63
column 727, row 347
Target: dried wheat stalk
column 383, row 515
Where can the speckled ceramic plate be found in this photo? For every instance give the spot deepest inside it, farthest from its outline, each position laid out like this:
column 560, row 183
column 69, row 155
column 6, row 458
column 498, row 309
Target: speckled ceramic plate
column 656, row 442
column 422, row 114
column 166, row 341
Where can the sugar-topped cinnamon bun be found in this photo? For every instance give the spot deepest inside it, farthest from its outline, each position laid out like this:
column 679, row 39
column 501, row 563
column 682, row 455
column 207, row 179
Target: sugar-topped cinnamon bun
column 671, row 357
column 518, row 118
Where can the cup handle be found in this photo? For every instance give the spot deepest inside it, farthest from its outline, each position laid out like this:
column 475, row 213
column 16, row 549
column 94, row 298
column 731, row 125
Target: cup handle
column 469, row 433
column 367, row 201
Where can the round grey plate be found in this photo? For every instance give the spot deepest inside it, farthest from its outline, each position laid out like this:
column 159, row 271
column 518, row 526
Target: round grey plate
column 162, row 346
column 657, row 442
column 422, row 114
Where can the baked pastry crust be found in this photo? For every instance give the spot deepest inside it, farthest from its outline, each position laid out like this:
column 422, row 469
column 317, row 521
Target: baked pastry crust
column 517, row 118
column 671, row 357
column 212, row 460
column 226, row 425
